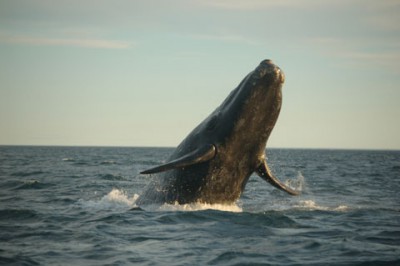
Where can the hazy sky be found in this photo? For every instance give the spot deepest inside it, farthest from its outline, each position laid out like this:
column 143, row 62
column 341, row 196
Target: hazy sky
column 144, row 73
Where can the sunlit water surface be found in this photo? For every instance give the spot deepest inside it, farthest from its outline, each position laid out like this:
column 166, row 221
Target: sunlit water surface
column 76, row 206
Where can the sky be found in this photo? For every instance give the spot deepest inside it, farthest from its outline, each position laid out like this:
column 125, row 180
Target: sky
column 145, row 73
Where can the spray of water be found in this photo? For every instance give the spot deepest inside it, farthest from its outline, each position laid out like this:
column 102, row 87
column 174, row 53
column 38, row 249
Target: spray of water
column 200, row 207
column 116, row 199
column 297, row 183
column 120, row 200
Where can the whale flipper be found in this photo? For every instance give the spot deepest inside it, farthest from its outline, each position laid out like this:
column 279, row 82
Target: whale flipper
column 200, row 155
column 265, row 173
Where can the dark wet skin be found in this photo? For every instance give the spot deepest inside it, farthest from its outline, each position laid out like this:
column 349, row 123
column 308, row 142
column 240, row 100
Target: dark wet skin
column 214, row 162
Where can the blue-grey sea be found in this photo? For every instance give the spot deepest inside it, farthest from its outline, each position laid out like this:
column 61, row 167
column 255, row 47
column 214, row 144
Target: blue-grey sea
column 76, row 206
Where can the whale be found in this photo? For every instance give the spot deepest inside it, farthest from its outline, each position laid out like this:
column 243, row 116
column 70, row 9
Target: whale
column 215, row 161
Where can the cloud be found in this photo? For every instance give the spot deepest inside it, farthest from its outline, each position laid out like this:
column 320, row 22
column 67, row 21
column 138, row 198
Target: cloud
column 385, row 16
column 357, row 52
column 225, row 38
column 387, row 59
column 72, row 42
column 267, row 4
column 243, row 5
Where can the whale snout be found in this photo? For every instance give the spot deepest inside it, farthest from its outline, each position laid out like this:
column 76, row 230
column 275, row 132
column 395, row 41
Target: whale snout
column 267, row 69
column 267, row 62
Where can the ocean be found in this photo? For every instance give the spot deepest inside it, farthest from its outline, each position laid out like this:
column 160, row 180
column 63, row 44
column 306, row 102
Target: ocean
column 76, row 206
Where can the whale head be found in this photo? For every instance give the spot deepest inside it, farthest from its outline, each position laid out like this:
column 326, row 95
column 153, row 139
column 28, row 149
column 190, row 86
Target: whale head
column 246, row 118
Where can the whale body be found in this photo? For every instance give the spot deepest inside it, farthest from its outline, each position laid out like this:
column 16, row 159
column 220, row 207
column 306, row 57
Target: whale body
column 214, row 162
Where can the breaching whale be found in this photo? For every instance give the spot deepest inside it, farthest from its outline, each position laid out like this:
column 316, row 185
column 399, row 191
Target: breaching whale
column 214, row 162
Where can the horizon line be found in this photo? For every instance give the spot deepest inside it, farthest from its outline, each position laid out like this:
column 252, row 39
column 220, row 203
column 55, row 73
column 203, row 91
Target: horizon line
column 173, row 147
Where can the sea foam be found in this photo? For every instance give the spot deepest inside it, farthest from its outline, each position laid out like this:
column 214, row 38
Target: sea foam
column 201, row 207
column 116, row 199
column 119, row 199
column 312, row 205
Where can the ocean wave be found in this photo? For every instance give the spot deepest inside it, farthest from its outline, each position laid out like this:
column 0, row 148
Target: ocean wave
column 113, row 177
column 18, row 215
column 32, row 184
column 81, row 219
column 17, row 260
column 27, row 173
column 108, row 162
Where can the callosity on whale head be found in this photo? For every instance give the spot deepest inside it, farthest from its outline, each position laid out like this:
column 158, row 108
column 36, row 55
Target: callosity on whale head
column 214, row 162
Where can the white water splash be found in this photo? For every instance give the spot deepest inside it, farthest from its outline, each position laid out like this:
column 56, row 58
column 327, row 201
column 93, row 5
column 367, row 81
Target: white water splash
column 297, row 184
column 119, row 200
column 312, row 205
column 116, row 199
column 200, row 207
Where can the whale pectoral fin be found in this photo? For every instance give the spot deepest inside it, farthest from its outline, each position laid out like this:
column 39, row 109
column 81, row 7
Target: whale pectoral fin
column 265, row 173
column 200, row 155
